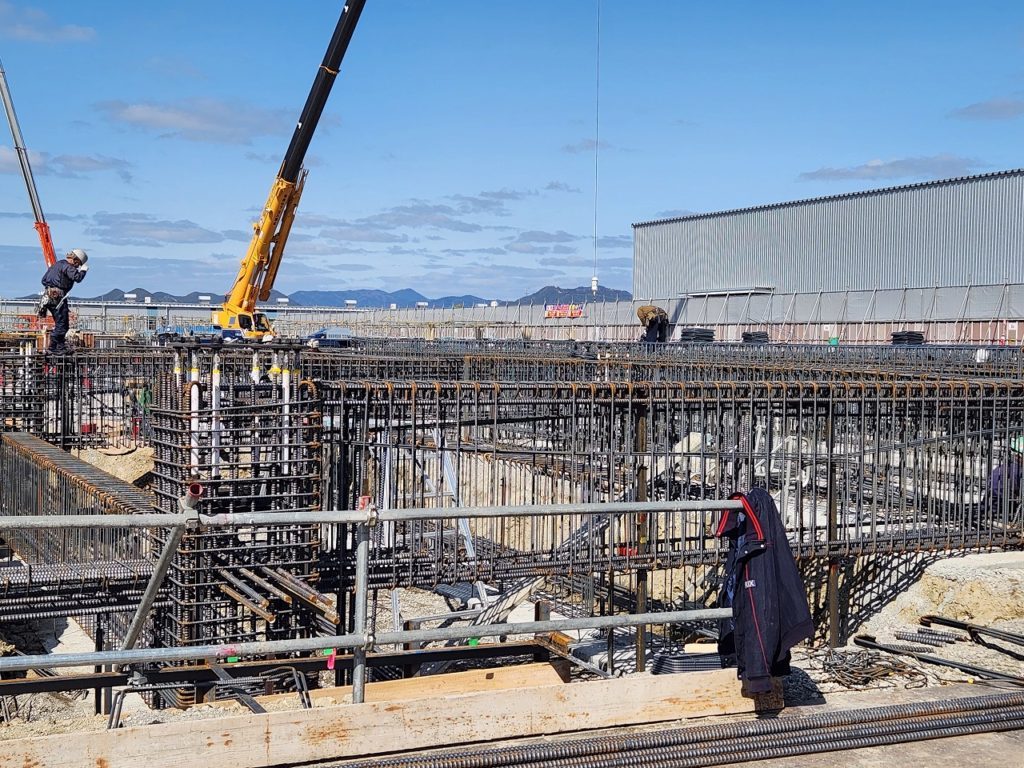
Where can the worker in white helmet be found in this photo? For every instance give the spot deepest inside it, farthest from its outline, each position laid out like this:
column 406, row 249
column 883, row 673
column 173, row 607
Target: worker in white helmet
column 57, row 282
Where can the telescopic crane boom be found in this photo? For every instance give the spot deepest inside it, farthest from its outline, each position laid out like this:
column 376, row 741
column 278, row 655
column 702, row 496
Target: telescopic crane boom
column 258, row 269
column 26, row 171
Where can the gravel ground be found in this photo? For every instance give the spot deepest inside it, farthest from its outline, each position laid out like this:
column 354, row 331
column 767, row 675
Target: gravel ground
column 985, row 589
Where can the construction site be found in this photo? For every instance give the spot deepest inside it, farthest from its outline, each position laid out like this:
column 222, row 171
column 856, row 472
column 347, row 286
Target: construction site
column 784, row 526
column 403, row 508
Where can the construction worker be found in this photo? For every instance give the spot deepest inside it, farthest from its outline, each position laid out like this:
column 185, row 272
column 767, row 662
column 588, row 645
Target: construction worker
column 1007, row 482
column 57, row 282
column 655, row 321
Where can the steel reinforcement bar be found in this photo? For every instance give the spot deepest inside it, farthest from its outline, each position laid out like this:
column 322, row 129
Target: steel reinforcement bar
column 104, row 396
column 855, row 468
column 68, row 570
column 729, row 743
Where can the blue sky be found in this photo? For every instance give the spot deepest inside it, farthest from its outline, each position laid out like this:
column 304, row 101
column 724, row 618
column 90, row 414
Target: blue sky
column 456, row 154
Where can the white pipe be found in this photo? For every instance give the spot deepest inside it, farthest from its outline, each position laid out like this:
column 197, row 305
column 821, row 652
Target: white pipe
column 286, row 409
column 193, row 392
column 215, row 425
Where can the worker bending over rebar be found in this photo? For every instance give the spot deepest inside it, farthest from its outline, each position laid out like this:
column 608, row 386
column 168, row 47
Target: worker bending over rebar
column 655, row 322
column 57, row 282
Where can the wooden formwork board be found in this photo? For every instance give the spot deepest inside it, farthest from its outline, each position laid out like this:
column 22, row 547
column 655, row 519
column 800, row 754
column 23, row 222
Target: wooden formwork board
column 378, row 727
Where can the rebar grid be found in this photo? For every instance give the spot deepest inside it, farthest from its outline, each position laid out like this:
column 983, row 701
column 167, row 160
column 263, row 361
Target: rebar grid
column 103, row 397
column 931, row 360
column 856, row 468
column 867, row 450
column 69, row 571
column 23, row 394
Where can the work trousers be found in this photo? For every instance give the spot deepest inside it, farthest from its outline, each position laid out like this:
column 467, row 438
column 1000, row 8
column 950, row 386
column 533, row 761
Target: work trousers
column 61, row 323
column 656, row 331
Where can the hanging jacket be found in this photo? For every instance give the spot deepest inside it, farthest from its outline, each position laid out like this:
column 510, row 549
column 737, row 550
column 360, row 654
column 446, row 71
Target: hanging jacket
column 763, row 587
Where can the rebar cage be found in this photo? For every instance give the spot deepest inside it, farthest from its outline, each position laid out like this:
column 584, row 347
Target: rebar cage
column 868, row 451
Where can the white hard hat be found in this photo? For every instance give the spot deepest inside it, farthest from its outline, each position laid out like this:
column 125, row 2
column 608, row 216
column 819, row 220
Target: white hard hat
column 79, row 254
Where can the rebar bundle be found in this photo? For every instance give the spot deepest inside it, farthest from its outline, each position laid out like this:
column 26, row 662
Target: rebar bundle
column 752, row 741
column 69, row 571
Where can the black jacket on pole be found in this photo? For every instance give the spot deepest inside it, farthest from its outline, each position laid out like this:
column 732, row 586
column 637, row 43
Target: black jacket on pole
column 764, row 589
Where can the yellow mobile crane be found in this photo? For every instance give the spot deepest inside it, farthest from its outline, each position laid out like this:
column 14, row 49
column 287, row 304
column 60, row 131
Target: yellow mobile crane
column 238, row 317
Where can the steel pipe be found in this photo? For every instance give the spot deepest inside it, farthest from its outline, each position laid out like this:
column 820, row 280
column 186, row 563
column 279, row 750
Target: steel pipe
column 305, row 645
column 362, row 579
column 153, row 588
column 315, row 517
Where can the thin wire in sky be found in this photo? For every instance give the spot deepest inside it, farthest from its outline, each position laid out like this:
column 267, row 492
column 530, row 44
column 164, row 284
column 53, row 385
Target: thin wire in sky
column 597, row 130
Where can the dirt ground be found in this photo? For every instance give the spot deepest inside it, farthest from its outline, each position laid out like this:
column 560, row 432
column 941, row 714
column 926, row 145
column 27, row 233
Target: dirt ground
column 131, row 465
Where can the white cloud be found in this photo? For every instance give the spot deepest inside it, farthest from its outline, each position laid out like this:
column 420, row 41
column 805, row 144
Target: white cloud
column 66, row 166
column 585, row 145
column 362, row 235
column 202, row 120
column 35, row 26
column 536, row 236
column 933, row 167
column 992, row 109
column 561, row 186
column 143, row 229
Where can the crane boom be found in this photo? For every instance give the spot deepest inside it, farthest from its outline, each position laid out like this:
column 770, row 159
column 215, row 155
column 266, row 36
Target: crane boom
column 45, row 240
column 258, row 269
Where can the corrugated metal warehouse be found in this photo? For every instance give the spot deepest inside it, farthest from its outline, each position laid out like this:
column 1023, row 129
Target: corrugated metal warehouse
column 964, row 231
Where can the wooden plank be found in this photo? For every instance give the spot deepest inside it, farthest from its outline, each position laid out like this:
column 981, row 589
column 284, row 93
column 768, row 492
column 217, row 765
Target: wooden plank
column 700, row 648
column 325, row 733
column 474, row 680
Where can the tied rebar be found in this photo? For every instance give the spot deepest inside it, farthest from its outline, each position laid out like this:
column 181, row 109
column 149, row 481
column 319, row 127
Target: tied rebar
column 868, row 451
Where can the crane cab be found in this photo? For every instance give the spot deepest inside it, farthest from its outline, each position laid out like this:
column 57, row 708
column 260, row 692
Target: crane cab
column 254, row 326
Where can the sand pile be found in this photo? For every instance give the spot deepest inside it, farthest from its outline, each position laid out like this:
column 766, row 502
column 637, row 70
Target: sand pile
column 132, row 465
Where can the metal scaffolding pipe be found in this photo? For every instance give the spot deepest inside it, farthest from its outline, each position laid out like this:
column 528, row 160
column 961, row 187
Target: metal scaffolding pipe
column 362, row 580
column 153, row 588
column 305, row 645
column 316, row 517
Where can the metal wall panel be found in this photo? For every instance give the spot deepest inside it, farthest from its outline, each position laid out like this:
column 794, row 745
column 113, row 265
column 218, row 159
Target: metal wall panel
column 966, row 231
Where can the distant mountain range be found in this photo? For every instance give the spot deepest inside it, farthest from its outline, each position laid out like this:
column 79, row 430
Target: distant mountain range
column 406, row 297
column 552, row 294
column 401, row 299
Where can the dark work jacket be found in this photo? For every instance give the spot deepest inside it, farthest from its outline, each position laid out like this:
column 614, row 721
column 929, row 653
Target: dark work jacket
column 764, row 589
column 63, row 275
